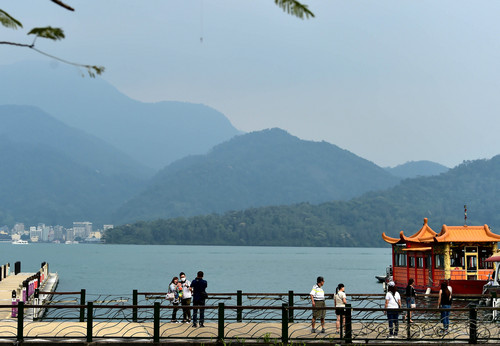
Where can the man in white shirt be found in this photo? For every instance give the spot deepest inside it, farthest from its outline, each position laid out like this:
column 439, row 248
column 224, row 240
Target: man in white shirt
column 186, row 297
column 318, row 301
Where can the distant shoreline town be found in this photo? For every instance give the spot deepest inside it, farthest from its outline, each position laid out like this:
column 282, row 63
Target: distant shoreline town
column 81, row 232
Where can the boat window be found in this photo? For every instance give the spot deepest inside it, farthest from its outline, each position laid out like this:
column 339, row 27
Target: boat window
column 484, row 253
column 439, row 261
column 457, row 257
column 411, row 261
column 400, row 260
column 420, row 262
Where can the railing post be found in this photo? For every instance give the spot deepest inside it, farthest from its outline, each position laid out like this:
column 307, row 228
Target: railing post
column 90, row 321
column 134, row 302
column 348, row 323
column 284, row 324
column 82, row 302
column 239, row 302
column 473, row 325
column 290, row 304
column 220, row 330
column 408, row 325
column 20, row 321
column 156, row 322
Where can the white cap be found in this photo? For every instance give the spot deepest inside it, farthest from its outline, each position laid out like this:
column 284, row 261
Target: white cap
column 391, row 283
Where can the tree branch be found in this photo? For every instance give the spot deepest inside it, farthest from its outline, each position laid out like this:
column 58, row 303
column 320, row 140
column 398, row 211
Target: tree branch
column 17, row 44
column 62, row 4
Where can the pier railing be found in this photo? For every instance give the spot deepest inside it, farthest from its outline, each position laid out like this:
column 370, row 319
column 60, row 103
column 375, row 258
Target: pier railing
column 269, row 318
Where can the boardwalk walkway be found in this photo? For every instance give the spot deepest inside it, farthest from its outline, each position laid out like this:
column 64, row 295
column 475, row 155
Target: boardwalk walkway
column 298, row 332
column 7, row 285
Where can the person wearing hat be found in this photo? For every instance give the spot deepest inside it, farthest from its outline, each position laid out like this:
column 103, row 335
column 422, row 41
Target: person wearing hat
column 392, row 304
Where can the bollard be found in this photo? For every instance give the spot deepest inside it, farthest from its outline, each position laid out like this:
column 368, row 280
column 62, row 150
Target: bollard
column 284, row 324
column 290, row 304
column 348, row 324
column 90, row 320
column 134, row 309
column 156, row 323
column 220, row 329
column 82, row 302
column 239, row 302
column 14, row 304
column 36, row 301
column 24, row 296
column 17, row 268
column 473, row 325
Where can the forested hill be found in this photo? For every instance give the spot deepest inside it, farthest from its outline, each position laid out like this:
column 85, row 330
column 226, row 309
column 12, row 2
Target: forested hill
column 263, row 168
column 358, row 222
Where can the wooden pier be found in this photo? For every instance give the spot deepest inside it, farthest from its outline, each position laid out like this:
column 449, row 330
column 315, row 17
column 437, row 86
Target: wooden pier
column 23, row 286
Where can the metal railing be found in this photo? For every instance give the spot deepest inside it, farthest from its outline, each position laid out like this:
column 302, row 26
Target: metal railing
column 278, row 318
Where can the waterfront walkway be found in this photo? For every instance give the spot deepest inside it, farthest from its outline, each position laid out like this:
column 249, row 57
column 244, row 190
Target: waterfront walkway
column 238, row 331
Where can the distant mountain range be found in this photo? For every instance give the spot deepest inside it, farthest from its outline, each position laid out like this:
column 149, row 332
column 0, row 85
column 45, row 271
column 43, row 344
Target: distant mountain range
column 263, row 168
column 358, row 222
column 75, row 148
column 154, row 134
column 55, row 174
column 413, row 169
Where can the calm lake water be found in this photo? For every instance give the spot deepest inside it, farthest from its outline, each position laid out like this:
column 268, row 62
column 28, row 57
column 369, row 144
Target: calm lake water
column 118, row 269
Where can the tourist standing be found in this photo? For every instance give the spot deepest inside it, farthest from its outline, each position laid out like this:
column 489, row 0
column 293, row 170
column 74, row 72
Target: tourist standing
column 410, row 297
column 186, row 298
column 199, row 295
column 318, row 301
column 174, row 289
column 392, row 302
column 444, row 302
column 340, row 302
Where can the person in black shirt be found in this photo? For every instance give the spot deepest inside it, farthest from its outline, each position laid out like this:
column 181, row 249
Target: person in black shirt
column 199, row 286
column 410, row 297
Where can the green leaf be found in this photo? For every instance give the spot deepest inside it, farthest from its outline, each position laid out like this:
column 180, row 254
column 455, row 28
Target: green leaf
column 48, row 32
column 294, row 8
column 8, row 21
column 94, row 70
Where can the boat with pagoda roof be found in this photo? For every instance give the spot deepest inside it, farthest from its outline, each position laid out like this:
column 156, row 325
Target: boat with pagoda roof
column 457, row 254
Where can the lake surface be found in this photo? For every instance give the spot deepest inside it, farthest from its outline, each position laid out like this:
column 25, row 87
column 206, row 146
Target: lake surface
column 119, row 269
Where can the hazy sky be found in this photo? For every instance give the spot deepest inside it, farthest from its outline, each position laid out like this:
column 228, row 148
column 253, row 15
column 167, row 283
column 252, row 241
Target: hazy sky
column 391, row 81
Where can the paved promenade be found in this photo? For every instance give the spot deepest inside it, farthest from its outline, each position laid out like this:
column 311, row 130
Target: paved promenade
column 376, row 331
